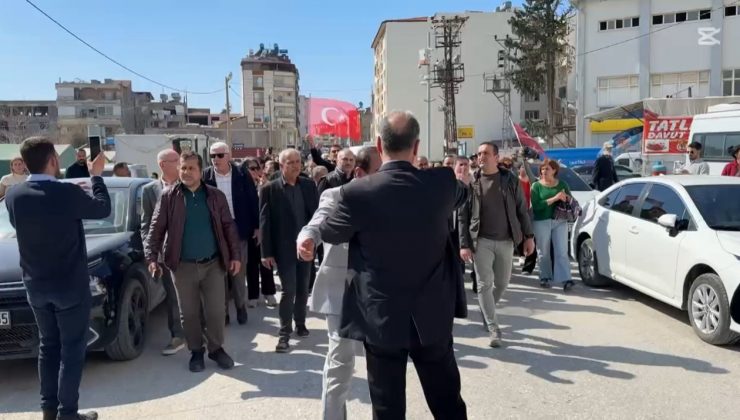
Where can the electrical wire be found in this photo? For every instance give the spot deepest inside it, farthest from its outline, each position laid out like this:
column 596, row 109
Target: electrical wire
column 118, row 63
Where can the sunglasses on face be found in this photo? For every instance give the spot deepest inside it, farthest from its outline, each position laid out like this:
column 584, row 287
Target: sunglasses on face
column 217, row 155
column 254, row 168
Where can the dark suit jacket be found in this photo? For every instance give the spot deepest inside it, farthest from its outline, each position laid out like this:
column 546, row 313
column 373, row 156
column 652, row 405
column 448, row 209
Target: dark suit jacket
column 401, row 256
column 244, row 198
column 319, row 161
column 277, row 223
column 605, row 175
column 332, row 180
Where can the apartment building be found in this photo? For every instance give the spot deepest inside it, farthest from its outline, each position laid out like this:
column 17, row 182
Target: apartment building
column 399, row 85
column 109, row 104
column 270, row 93
column 631, row 50
column 22, row 119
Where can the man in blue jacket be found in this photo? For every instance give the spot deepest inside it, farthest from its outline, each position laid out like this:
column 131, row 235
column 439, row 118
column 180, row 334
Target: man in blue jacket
column 47, row 216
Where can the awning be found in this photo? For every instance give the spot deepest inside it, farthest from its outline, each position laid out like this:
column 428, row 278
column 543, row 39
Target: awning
column 615, row 126
column 633, row 110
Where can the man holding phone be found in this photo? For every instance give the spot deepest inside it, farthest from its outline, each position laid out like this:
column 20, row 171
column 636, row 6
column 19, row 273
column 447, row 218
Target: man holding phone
column 193, row 225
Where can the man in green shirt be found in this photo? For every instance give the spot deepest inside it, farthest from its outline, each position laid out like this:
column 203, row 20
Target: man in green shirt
column 194, row 227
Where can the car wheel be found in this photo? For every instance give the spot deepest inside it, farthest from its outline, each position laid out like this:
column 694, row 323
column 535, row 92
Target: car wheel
column 709, row 310
column 133, row 313
column 588, row 266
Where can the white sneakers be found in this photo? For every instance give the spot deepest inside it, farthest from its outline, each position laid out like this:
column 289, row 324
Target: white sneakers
column 271, row 301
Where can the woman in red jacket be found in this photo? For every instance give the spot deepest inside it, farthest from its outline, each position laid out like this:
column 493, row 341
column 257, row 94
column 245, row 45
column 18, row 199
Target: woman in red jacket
column 732, row 168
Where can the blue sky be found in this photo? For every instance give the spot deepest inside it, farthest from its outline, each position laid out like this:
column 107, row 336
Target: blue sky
column 194, row 44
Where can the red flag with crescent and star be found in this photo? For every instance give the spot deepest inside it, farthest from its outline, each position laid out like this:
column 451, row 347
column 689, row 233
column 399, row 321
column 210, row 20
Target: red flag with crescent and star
column 333, row 117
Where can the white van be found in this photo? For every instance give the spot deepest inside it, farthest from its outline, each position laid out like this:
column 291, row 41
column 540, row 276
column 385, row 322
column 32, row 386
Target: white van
column 632, row 160
column 717, row 131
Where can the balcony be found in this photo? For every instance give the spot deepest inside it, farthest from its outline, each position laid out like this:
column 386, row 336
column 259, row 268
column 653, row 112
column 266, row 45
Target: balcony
column 288, row 100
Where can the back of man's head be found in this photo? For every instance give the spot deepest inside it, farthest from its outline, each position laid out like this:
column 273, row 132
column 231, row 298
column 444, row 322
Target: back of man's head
column 399, row 132
column 364, row 159
column 36, row 153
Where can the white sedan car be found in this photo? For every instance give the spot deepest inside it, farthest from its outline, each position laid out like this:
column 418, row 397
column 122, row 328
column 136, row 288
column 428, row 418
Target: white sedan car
column 675, row 238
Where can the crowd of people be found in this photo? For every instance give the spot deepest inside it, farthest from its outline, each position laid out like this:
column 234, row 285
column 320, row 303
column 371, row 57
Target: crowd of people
column 392, row 234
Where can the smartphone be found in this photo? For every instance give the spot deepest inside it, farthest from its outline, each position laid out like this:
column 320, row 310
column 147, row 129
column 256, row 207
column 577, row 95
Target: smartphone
column 94, row 142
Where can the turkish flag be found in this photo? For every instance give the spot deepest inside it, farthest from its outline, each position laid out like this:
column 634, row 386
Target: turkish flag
column 333, row 117
column 526, row 140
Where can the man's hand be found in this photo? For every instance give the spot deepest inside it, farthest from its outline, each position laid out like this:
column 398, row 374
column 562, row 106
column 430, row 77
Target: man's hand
column 155, row 270
column 466, row 254
column 306, row 249
column 528, row 246
column 269, row 262
column 97, row 166
column 257, row 237
column 234, row 267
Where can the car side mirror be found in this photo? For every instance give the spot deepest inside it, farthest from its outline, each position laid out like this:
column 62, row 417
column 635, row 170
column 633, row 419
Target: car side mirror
column 668, row 221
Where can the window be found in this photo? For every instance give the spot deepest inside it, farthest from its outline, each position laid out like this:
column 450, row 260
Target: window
column 258, row 82
column 531, row 115
column 259, row 114
column 259, row 98
column 532, row 98
column 662, row 200
column 609, row 199
column 608, row 25
column 731, row 82
column 615, row 91
column 718, row 205
column 683, row 16
column 732, row 11
column 716, row 145
column 676, row 85
column 627, row 198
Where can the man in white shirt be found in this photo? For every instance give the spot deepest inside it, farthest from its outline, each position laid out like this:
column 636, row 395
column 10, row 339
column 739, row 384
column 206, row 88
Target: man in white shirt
column 696, row 165
column 241, row 194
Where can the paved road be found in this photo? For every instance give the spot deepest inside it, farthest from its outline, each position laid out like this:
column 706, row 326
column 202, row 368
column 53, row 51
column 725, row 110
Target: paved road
column 588, row 354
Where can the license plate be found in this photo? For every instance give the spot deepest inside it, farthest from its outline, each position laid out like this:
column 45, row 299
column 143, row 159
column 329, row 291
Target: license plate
column 4, row 320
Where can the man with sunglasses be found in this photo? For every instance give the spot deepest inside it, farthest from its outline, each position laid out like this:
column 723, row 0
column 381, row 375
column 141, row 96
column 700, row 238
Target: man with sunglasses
column 696, row 165
column 241, row 194
column 331, row 163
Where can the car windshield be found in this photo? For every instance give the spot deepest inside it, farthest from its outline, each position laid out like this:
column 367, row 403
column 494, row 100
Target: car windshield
column 719, row 205
column 575, row 183
column 114, row 223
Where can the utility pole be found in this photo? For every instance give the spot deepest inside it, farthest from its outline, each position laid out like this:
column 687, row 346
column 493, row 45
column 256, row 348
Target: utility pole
column 425, row 59
column 499, row 83
column 450, row 72
column 228, row 113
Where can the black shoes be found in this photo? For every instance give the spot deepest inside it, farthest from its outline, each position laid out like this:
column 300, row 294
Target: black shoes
column 301, row 331
column 283, row 344
column 241, row 315
column 197, row 364
column 90, row 415
column 568, row 285
column 222, row 359
column 50, row 414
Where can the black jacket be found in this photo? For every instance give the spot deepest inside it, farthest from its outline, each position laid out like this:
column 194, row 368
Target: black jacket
column 77, row 171
column 332, row 180
column 277, row 224
column 47, row 217
column 605, row 175
column 244, row 197
column 405, row 269
column 517, row 211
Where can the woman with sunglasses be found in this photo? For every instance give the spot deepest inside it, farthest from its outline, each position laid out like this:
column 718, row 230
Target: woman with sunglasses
column 254, row 168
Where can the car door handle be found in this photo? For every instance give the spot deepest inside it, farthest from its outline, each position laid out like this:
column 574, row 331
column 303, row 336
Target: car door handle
column 634, row 230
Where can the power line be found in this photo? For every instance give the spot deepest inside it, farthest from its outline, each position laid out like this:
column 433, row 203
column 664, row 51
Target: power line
column 234, row 92
column 116, row 61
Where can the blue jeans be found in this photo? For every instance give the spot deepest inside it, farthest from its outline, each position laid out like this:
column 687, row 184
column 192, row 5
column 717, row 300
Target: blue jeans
column 63, row 319
column 557, row 232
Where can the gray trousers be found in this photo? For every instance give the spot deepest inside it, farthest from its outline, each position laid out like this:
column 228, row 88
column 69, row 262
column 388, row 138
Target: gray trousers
column 204, row 283
column 493, row 264
column 338, row 370
column 174, row 317
column 238, row 282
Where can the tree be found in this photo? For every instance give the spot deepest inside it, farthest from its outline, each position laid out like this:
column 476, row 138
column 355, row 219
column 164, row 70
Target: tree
column 540, row 31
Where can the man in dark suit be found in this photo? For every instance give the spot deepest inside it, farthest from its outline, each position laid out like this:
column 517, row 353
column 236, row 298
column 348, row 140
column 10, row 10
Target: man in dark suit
column 342, row 174
column 47, row 216
column 168, row 161
column 401, row 299
column 286, row 205
column 79, row 168
column 241, row 194
column 331, row 163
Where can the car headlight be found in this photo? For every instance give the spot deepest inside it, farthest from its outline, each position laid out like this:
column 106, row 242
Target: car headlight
column 97, row 287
